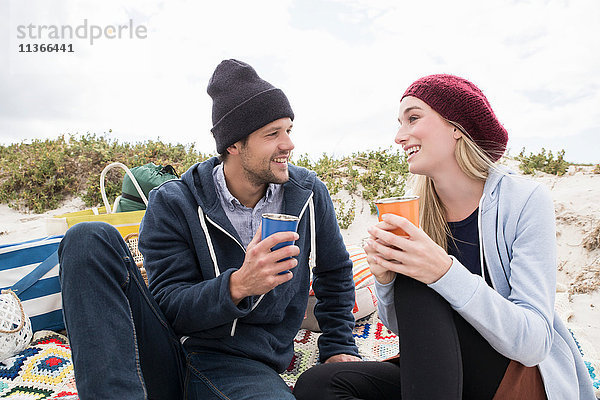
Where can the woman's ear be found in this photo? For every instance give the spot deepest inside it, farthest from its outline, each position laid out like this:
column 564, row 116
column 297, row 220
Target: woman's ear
column 456, row 133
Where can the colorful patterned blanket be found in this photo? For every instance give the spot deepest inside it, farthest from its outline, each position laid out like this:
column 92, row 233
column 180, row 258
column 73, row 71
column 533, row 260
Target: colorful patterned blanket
column 375, row 342
column 44, row 370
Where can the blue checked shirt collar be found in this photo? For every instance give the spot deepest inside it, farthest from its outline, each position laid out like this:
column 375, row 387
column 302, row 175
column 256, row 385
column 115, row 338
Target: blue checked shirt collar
column 246, row 220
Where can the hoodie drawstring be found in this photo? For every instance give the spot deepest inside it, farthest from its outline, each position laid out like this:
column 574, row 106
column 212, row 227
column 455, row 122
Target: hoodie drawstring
column 213, row 256
column 312, row 262
column 211, row 249
column 312, row 258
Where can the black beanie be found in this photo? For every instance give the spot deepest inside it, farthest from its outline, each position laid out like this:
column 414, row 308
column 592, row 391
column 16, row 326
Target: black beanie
column 242, row 103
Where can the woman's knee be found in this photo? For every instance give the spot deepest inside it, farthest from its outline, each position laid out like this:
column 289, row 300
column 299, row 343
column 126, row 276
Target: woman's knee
column 313, row 383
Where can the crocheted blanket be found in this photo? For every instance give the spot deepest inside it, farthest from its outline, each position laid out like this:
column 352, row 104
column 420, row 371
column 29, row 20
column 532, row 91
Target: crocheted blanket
column 375, row 342
column 44, row 370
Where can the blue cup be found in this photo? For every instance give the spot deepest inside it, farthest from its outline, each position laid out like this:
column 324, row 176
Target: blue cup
column 272, row 223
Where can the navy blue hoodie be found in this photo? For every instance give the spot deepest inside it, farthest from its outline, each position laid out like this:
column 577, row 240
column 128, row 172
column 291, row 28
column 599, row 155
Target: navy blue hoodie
column 185, row 218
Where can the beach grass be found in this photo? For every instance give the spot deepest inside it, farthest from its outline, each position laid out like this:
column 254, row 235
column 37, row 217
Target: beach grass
column 37, row 175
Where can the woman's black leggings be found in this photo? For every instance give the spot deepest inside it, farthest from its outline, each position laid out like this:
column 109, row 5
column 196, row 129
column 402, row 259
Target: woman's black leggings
column 442, row 357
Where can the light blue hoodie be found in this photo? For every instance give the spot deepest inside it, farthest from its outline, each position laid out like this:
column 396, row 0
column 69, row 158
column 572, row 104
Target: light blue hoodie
column 518, row 236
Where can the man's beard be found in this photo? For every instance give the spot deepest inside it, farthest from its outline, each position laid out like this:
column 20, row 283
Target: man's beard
column 261, row 175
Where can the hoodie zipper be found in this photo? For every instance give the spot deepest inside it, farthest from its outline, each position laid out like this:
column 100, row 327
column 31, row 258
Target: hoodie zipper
column 481, row 252
column 225, row 232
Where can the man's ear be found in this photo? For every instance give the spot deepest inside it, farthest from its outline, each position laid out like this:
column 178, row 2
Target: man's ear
column 234, row 148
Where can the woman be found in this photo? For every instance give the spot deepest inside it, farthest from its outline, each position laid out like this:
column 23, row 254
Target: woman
column 470, row 293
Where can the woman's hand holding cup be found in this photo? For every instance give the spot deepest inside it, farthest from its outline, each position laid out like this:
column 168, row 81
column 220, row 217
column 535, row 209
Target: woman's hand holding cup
column 414, row 255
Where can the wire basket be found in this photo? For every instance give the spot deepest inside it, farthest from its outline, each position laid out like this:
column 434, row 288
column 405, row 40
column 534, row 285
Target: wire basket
column 132, row 243
column 15, row 326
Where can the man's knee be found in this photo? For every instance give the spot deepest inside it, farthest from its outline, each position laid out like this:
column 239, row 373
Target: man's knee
column 87, row 240
column 84, row 232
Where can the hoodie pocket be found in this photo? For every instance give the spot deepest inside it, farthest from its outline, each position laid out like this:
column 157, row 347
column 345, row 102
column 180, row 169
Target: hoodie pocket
column 274, row 306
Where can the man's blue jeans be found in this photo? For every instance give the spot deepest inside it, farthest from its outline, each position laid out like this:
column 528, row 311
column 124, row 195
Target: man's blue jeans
column 123, row 347
column 217, row 376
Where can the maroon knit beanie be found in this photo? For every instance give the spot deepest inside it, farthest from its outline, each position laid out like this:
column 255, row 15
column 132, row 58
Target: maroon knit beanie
column 458, row 100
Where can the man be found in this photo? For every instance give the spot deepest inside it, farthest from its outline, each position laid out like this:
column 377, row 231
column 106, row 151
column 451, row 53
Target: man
column 225, row 294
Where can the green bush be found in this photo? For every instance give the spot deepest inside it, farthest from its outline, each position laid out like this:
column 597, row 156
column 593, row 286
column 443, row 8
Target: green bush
column 37, row 176
column 544, row 162
column 344, row 216
column 380, row 173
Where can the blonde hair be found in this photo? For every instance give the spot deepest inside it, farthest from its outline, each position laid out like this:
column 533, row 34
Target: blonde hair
column 474, row 162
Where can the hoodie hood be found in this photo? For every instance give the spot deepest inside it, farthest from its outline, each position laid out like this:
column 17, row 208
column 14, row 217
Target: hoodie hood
column 199, row 180
column 492, row 183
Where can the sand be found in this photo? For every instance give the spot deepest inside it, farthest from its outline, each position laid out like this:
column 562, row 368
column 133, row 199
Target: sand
column 576, row 196
column 17, row 226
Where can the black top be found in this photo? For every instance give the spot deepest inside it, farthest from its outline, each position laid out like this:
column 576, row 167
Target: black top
column 465, row 244
column 483, row 367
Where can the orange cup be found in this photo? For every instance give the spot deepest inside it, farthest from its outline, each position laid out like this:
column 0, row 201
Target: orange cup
column 405, row 206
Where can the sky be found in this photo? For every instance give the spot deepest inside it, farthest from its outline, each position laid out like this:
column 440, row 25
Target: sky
column 344, row 65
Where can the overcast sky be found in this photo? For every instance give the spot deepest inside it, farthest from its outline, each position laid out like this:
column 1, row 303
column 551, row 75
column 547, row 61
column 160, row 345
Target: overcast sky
column 343, row 64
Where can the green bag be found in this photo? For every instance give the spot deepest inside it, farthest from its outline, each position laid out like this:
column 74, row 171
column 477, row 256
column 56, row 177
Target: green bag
column 148, row 177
